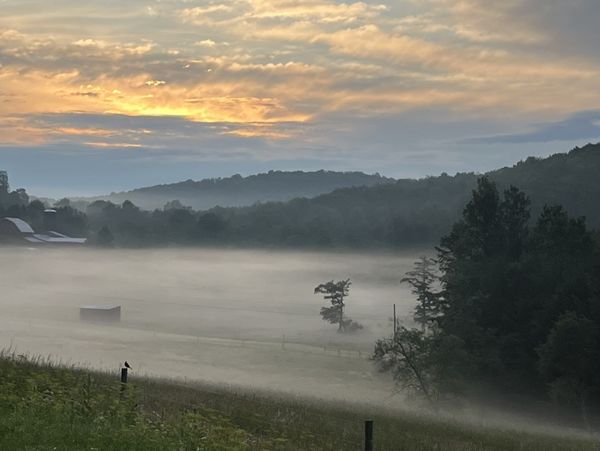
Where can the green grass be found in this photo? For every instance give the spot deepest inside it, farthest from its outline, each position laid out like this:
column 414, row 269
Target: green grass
column 46, row 407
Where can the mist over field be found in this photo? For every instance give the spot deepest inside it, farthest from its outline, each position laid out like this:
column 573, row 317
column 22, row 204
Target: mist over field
column 271, row 225
column 241, row 317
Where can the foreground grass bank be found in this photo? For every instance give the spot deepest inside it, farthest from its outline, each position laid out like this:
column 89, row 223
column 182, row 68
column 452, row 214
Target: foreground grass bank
column 47, row 407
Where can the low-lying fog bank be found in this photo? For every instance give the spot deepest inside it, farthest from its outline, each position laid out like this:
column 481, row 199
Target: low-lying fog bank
column 234, row 316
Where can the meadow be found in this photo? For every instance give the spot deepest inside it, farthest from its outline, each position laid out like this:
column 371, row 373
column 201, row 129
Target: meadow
column 242, row 317
column 44, row 406
column 228, row 350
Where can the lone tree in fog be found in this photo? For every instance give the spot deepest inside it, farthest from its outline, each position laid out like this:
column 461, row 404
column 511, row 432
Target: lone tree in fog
column 335, row 292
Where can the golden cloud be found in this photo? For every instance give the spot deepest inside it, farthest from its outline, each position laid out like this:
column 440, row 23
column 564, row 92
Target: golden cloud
column 83, row 131
column 289, row 61
column 110, row 145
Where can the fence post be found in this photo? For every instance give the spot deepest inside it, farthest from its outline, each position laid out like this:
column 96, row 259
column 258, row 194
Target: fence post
column 123, row 375
column 369, row 435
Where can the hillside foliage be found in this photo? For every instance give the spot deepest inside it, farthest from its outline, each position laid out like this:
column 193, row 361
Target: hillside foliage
column 516, row 310
column 237, row 190
column 399, row 214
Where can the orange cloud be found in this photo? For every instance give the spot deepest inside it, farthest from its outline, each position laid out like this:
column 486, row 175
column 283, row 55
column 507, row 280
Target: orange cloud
column 107, row 145
column 285, row 61
column 83, row 131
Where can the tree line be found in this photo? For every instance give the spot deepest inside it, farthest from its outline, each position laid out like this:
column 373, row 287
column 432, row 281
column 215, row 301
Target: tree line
column 508, row 305
column 238, row 190
column 403, row 213
column 352, row 218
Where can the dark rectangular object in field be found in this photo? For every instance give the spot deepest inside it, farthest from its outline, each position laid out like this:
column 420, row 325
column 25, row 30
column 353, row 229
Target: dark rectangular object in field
column 108, row 313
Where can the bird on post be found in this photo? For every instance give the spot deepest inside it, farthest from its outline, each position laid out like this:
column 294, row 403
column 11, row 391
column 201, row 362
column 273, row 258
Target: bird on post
column 126, row 365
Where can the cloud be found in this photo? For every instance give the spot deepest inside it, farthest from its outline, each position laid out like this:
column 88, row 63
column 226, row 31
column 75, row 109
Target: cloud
column 369, row 41
column 112, row 145
column 164, row 136
column 286, row 62
column 207, row 43
column 155, row 83
column 554, row 26
column 580, row 126
column 61, row 131
column 320, row 11
column 312, row 79
column 91, row 43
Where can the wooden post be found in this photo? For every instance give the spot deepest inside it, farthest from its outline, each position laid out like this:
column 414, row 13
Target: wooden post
column 369, row 435
column 395, row 322
column 123, row 375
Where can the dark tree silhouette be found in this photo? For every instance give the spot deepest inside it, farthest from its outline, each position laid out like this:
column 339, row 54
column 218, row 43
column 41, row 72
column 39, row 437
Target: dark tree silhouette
column 335, row 292
column 430, row 304
column 105, row 237
column 518, row 304
column 423, row 363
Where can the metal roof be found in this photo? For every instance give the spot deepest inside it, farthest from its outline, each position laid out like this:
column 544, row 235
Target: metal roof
column 55, row 234
column 21, row 225
column 61, row 240
column 33, row 240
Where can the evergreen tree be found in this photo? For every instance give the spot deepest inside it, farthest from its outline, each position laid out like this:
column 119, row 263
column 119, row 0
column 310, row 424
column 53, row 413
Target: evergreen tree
column 430, row 304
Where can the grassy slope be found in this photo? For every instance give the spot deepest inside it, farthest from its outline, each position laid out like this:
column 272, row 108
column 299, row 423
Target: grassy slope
column 44, row 407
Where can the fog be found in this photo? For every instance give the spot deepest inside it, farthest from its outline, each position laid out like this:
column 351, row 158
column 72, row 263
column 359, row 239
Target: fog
column 241, row 317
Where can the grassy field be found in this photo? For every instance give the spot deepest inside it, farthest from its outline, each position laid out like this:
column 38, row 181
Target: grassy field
column 44, row 407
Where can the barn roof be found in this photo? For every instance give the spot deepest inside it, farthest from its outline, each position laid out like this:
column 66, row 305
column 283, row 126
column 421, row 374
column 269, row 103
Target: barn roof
column 21, row 225
column 51, row 238
column 31, row 239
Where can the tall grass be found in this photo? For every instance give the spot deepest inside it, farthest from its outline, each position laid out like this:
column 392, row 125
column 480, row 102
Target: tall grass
column 43, row 406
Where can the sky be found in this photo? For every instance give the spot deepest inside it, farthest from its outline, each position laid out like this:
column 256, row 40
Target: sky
column 105, row 96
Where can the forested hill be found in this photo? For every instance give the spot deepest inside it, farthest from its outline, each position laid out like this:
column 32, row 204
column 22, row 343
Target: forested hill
column 414, row 211
column 386, row 214
column 568, row 179
column 239, row 191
